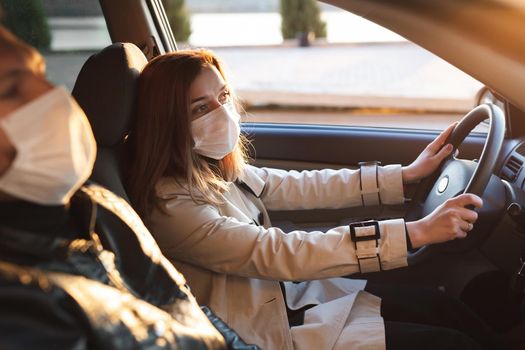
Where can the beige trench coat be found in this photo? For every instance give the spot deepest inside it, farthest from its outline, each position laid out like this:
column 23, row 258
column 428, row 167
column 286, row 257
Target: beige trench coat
column 234, row 265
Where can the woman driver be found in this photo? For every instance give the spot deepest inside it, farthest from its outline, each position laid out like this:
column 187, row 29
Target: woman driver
column 208, row 209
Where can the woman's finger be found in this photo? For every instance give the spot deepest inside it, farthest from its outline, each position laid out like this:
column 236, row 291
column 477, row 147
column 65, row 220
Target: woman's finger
column 468, row 215
column 442, row 137
column 468, row 199
column 461, row 234
column 466, row 226
column 444, row 152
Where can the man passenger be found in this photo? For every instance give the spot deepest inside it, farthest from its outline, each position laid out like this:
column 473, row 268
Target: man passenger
column 60, row 287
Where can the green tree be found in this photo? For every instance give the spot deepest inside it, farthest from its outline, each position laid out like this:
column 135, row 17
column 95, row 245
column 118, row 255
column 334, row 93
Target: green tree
column 301, row 16
column 27, row 20
column 179, row 19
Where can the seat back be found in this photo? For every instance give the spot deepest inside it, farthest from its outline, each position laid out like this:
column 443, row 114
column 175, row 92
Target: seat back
column 106, row 90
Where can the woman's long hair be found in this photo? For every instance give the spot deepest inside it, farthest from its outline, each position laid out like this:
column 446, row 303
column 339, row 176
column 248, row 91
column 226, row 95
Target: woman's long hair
column 160, row 140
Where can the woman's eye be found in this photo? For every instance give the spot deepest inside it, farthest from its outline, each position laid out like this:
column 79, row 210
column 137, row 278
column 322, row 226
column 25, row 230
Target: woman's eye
column 225, row 96
column 200, row 109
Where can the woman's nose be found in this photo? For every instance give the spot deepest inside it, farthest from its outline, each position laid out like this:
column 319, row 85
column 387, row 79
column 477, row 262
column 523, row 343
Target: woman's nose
column 215, row 103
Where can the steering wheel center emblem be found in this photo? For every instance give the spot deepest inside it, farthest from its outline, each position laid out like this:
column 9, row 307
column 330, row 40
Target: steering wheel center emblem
column 443, row 184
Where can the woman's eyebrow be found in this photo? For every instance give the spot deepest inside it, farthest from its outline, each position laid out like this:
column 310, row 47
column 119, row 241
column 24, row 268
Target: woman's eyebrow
column 204, row 97
column 198, row 99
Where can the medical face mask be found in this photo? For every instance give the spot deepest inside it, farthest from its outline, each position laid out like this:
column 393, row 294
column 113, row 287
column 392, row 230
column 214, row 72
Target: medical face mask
column 215, row 134
column 55, row 149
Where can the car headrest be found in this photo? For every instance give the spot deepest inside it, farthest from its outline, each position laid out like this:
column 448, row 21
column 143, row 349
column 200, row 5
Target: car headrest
column 105, row 89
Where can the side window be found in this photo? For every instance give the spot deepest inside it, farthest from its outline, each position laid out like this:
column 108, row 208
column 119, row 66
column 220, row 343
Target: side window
column 66, row 32
column 358, row 74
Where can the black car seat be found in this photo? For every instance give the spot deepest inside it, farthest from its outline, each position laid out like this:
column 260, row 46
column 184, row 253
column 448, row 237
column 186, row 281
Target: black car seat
column 105, row 89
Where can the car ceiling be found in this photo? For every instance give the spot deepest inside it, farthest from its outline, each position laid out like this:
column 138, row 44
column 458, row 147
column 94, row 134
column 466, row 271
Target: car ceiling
column 484, row 38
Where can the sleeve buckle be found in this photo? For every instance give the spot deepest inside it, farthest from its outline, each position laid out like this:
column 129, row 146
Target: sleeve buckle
column 376, row 236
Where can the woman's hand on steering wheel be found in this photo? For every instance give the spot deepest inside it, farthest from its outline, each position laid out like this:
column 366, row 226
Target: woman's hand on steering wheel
column 448, row 221
column 430, row 158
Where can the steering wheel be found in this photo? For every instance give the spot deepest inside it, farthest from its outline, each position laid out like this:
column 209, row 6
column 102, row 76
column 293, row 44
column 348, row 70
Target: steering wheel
column 456, row 176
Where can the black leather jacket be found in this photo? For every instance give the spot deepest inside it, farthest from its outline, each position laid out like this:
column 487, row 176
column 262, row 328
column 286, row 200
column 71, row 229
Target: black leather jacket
column 90, row 276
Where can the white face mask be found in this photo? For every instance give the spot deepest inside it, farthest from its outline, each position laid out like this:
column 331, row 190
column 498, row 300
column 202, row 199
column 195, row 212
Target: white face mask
column 215, row 134
column 55, row 149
